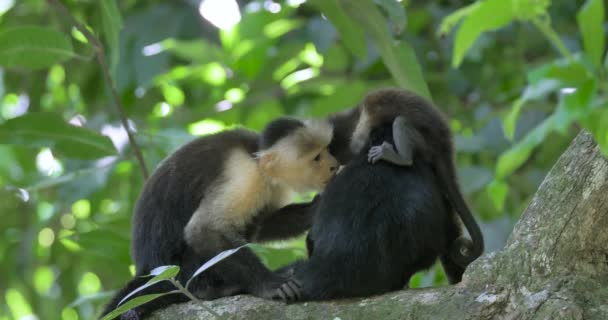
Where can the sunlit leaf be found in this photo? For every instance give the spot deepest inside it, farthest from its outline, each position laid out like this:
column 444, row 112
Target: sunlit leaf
column 487, row 16
column 591, row 23
column 50, row 130
column 33, row 47
column 138, row 301
column 449, row 22
column 164, row 273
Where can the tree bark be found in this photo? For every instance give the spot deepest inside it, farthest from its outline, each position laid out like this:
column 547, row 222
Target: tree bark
column 554, row 265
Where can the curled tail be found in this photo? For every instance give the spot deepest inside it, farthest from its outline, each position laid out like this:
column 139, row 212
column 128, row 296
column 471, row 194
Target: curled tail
column 141, row 311
column 463, row 251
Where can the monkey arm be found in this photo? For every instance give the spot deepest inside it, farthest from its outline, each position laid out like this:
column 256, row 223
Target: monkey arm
column 406, row 138
column 289, row 221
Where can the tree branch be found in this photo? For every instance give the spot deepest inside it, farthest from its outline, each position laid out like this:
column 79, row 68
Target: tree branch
column 100, row 56
column 554, row 266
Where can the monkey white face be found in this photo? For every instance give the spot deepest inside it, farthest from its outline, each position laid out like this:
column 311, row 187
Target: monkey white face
column 302, row 160
column 362, row 131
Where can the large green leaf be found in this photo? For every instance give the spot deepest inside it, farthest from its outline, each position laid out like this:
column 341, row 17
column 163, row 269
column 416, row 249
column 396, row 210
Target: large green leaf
column 33, row 47
column 399, row 58
column 591, row 22
column 50, row 130
column 395, row 11
column 351, row 33
column 111, row 22
column 487, row 16
column 509, row 161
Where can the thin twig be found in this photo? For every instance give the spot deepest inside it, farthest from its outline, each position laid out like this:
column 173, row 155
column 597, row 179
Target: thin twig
column 193, row 298
column 100, row 54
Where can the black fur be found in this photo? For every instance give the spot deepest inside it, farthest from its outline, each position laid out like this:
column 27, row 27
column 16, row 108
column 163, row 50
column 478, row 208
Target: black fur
column 276, row 130
column 377, row 225
column 170, row 197
column 432, row 143
column 344, row 124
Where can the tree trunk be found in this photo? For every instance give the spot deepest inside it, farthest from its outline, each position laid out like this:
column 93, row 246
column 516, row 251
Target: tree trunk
column 554, row 265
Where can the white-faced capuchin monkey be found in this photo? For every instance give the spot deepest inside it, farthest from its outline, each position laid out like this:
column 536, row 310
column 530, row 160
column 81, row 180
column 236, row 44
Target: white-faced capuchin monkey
column 220, row 192
column 390, row 211
column 421, row 133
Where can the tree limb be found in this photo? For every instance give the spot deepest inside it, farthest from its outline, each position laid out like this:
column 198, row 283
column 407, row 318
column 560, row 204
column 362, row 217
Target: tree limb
column 554, row 265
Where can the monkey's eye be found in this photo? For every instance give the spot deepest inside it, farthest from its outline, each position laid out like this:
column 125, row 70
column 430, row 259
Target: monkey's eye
column 318, row 157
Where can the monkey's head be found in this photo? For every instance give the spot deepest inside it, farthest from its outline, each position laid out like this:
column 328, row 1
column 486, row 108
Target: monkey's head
column 295, row 153
column 379, row 108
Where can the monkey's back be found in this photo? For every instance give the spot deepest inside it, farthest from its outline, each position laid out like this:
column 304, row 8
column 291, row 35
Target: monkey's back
column 375, row 221
column 174, row 191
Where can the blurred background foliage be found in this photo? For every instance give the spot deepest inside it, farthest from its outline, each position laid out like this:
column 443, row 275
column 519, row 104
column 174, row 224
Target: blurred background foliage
column 517, row 78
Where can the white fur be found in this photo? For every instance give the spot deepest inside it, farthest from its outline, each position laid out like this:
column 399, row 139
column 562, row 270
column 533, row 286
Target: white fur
column 361, row 133
column 243, row 191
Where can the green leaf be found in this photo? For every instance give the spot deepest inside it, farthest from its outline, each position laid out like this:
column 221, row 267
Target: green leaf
column 489, row 15
column 135, row 303
column 474, row 178
column 104, row 243
column 33, row 47
column 574, row 106
column 399, row 58
column 198, row 51
column 591, row 23
column 396, row 14
column 532, row 91
column 274, row 258
column 213, row 261
column 449, row 22
column 510, row 160
column 50, row 130
column 111, row 22
column 498, row 193
column 351, row 33
column 163, row 273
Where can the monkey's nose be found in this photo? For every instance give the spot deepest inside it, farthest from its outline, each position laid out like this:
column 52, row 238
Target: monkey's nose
column 333, row 168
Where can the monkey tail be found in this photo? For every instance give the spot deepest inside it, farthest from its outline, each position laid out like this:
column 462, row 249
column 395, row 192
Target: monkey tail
column 462, row 251
column 141, row 311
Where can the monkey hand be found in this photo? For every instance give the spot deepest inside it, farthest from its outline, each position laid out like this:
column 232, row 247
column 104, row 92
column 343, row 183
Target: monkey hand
column 387, row 152
column 289, row 291
column 381, row 152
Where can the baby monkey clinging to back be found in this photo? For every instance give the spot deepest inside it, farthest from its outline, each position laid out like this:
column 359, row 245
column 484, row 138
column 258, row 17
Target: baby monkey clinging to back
column 390, row 211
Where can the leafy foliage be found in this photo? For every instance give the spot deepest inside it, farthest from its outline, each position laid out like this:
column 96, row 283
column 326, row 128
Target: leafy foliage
column 68, row 177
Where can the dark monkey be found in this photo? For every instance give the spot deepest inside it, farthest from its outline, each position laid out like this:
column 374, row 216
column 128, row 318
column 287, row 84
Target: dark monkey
column 219, row 192
column 422, row 133
column 377, row 224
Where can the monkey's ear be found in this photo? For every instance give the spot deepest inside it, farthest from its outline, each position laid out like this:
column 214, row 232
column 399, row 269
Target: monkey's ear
column 268, row 161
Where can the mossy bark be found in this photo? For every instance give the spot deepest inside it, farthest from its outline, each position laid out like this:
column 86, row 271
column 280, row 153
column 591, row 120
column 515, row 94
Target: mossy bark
column 554, row 265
